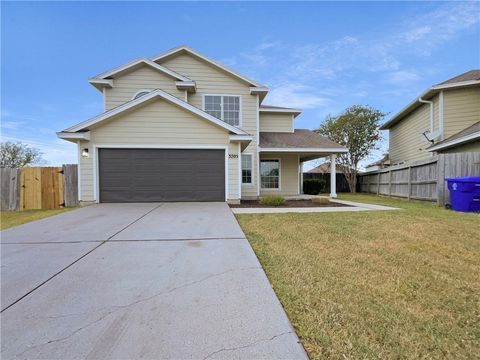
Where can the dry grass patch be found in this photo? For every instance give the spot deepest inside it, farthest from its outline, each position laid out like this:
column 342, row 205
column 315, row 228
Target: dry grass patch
column 14, row 218
column 392, row 284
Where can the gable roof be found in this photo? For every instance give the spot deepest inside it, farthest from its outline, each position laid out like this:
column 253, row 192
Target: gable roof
column 99, row 80
column 466, row 76
column 468, row 134
column 325, row 169
column 189, row 50
column 469, row 78
column 142, row 99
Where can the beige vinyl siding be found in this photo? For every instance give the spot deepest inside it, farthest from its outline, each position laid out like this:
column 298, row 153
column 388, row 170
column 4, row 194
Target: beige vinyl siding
column 127, row 85
column 233, row 175
column 86, row 173
column 289, row 176
column 211, row 80
column 159, row 122
column 406, row 139
column 271, row 122
column 472, row 146
column 461, row 109
column 156, row 123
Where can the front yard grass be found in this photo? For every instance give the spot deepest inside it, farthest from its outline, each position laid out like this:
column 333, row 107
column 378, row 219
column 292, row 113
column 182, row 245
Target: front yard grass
column 13, row 218
column 380, row 284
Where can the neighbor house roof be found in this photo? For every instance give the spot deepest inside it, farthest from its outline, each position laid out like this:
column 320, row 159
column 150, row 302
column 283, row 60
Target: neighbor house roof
column 468, row 134
column 300, row 139
column 139, row 101
column 469, row 78
column 187, row 49
column 325, row 169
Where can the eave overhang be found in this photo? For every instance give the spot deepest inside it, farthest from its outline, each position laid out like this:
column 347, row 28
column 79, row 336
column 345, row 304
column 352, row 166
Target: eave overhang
column 74, row 136
column 427, row 94
column 455, row 142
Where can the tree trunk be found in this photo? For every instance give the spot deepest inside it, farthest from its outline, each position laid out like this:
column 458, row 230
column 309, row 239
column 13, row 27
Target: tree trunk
column 350, row 176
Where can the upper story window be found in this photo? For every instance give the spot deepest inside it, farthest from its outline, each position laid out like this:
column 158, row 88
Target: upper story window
column 224, row 107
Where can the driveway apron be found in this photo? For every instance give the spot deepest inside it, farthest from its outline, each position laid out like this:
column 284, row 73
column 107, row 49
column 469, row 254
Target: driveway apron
column 164, row 281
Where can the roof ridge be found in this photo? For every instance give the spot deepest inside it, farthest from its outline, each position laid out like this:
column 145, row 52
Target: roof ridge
column 208, row 59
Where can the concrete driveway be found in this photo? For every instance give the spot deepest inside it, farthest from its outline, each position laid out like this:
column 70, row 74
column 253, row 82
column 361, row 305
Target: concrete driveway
column 168, row 281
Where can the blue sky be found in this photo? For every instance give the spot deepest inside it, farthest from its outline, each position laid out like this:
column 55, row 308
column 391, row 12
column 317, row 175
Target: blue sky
column 321, row 57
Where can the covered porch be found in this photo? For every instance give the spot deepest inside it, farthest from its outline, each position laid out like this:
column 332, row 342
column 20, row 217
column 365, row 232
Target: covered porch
column 281, row 159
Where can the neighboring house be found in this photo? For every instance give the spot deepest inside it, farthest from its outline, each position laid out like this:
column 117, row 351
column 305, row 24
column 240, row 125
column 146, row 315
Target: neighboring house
column 325, row 169
column 182, row 127
column 444, row 118
column 377, row 165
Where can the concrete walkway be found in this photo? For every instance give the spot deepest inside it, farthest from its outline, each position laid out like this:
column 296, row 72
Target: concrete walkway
column 353, row 207
column 139, row 281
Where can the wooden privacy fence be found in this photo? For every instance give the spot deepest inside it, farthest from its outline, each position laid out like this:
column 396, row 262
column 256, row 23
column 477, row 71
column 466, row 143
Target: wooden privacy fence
column 422, row 180
column 39, row 187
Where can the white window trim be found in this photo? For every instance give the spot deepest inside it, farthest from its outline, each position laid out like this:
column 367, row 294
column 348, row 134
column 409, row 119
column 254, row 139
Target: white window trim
column 240, row 114
column 279, row 174
column 140, row 91
column 96, row 177
column 251, row 169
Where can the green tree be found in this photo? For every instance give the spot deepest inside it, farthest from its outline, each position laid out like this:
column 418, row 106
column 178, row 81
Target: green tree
column 18, row 155
column 356, row 128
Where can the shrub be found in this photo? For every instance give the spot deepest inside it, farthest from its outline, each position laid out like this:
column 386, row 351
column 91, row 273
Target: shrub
column 314, row 186
column 272, row 200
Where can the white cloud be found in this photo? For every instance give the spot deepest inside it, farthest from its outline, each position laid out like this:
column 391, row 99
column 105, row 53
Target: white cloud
column 295, row 95
column 319, row 75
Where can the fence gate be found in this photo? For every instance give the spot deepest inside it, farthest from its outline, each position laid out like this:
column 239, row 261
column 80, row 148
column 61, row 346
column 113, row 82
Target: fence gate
column 41, row 188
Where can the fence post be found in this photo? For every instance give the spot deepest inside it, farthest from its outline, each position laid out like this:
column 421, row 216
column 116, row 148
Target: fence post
column 378, row 184
column 390, row 183
column 409, row 182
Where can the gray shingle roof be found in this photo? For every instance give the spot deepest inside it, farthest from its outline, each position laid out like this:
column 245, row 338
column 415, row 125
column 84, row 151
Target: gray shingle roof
column 466, row 76
column 300, row 138
column 465, row 132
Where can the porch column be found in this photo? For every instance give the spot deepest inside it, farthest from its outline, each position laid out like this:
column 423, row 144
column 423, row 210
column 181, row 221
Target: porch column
column 333, row 177
column 300, row 169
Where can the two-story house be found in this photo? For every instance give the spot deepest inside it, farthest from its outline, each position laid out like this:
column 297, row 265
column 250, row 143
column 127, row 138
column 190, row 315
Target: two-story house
column 182, row 127
column 444, row 118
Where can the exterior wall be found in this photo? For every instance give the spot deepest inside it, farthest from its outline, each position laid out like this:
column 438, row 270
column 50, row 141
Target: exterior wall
column 289, row 174
column 406, row 139
column 126, row 86
column 271, row 122
column 155, row 124
column 211, row 80
column 461, row 109
column 233, row 171
column 472, row 146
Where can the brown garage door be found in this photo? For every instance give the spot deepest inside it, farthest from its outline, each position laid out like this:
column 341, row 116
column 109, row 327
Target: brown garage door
column 150, row 175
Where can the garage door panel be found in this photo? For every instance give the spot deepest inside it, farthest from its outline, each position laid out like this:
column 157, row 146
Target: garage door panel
column 139, row 175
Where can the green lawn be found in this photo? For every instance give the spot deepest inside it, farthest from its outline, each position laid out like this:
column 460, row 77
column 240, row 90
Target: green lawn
column 381, row 284
column 14, row 218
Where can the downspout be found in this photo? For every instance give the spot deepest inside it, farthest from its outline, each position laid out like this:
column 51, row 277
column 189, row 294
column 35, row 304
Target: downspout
column 440, row 114
column 431, row 111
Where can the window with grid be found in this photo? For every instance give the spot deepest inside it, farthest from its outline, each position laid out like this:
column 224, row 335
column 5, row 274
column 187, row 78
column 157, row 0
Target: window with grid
column 270, row 174
column 226, row 108
column 247, row 168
